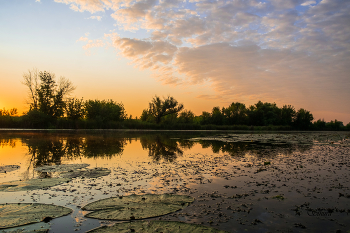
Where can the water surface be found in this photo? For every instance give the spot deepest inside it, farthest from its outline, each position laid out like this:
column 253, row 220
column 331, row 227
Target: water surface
column 261, row 182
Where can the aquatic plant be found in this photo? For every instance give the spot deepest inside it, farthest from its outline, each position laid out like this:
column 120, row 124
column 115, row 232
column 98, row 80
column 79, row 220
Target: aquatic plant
column 18, row 214
column 137, row 206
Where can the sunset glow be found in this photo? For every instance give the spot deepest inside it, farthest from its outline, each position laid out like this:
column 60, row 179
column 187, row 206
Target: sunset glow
column 203, row 53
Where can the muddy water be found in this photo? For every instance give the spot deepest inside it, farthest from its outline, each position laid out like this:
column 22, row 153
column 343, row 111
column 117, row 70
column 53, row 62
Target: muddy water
column 241, row 182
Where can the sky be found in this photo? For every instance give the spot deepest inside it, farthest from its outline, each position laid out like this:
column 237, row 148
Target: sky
column 204, row 53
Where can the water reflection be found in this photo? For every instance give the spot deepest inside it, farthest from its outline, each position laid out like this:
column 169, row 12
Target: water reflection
column 162, row 147
column 49, row 149
column 240, row 149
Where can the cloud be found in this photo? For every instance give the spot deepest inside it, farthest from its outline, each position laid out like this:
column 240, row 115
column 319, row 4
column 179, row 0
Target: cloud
column 308, row 3
column 83, row 39
column 96, row 17
column 93, row 44
column 246, row 49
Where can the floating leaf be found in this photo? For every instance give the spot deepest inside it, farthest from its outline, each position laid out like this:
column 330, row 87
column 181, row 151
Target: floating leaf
column 89, row 173
column 137, row 206
column 156, row 226
column 62, row 167
column 8, row 168
column 18, row 214
column 18, row 185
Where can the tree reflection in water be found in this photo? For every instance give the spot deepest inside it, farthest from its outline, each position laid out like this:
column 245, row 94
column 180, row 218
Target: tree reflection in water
column 240, row 149
column 53, row 148
column 162, row 147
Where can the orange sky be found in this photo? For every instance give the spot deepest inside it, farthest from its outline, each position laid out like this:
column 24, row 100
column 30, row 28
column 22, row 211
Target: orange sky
column 204, row 54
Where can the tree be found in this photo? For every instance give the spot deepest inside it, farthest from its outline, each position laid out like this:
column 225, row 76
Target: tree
column 75, row 109
column 287, row 115
column 264, row 114
column 159, row 108
column 104, row 110
column 235, row 114
column 303, row 119
column 46, row 95
column 217, row 117
column 186, row 116
column 11, row 112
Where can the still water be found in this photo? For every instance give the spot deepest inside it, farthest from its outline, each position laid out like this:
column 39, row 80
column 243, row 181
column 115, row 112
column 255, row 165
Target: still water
column 252, row 182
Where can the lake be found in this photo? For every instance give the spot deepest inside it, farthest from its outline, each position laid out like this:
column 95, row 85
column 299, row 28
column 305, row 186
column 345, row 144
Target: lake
column 240, row 181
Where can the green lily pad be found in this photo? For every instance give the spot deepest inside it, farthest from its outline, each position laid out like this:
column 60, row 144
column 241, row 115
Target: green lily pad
column 61, row 167
column 89, row 173
column 24, row 185
column 8, row 168
column 156, row 226
column 137, row 206
column 18, row 214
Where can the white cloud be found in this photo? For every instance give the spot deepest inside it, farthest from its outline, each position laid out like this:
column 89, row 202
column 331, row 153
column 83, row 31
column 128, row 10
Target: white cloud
column 308, row 3
column 94, row 43
column 83, row 39
column 247, row 49
column 96, row 17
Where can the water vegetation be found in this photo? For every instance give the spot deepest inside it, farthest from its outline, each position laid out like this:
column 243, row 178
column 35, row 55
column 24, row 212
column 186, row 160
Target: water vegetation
column 19, row 214
column 137, row 206
column 50, row 107
column 8, row 168
column 32, row 184
column 156, row 226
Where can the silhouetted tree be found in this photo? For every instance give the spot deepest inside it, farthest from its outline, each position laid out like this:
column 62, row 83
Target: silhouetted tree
column 264, row 114
column 186, row 117
column 104, row 110
column 11, row 112
column 334, row 125
column 75, row 109
column 303, row 119
column 46, row 95
column 217, row 118
column 287, row 115
column 159, row 108
column 235, row 114
column 205, row 118
column 319, row 124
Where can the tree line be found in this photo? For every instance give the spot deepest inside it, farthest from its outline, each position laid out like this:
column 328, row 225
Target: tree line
column 51, row 107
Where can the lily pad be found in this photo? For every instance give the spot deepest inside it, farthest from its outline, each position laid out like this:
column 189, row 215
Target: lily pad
column 61, row 167
column 156, row 226
column 8, row 168
column 24, row 185
column 88, row 173
column 137, row 206
column 18, row 214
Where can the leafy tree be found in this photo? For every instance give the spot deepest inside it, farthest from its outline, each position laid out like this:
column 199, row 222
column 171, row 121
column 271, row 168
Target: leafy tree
column 11, row 112
column 235, row 114
column 186, row 116
column 264, row 114
column 159, row 108
column 303, row 119
column 334, row 125
column 217, row 118
column 46, row 95
column 75, row 109
column 104, row 110
column 287, row 115
column 319, row 124
column 347, row 127
column 205, row 118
